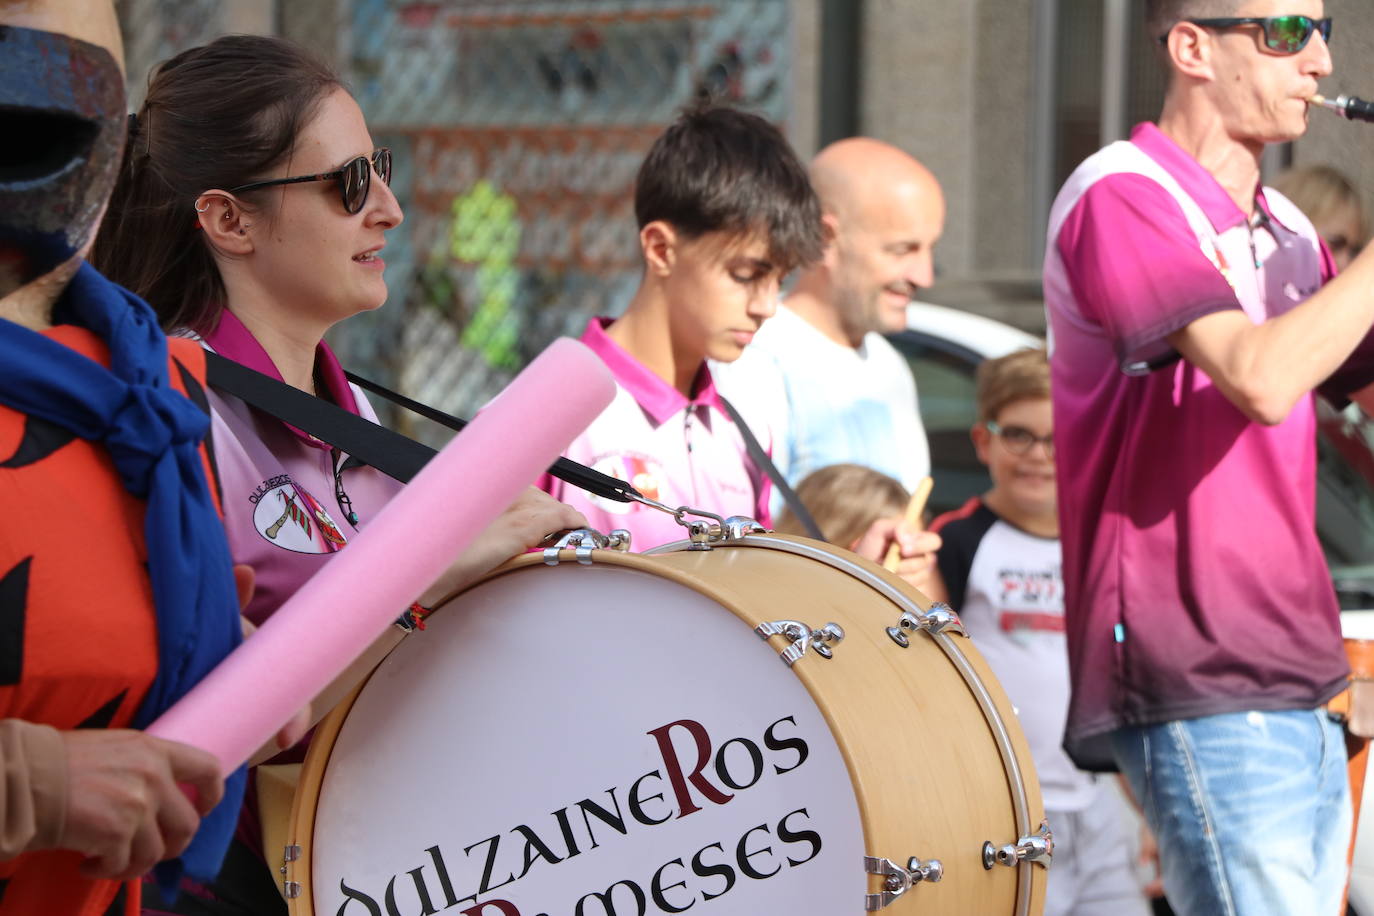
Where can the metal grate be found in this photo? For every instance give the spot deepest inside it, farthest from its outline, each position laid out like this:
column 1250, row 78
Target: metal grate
column 518, row 127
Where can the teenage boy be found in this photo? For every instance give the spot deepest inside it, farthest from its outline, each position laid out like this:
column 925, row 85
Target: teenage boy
column 725, row 211
column 999, row 567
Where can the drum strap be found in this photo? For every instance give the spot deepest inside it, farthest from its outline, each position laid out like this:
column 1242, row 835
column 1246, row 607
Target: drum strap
column 395, row 455
column 765, row 464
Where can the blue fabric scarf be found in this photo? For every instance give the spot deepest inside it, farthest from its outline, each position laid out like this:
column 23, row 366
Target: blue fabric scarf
column 153, row 434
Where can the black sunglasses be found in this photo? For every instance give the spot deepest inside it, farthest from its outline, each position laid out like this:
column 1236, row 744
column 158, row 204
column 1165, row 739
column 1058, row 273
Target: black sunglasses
column 355, row 178
column 1019, row 440
column 1284, row 34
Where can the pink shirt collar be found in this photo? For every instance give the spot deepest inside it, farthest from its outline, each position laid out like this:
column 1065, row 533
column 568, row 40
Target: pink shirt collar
column 1221, row 210
column 233, row 340
column 656, row 396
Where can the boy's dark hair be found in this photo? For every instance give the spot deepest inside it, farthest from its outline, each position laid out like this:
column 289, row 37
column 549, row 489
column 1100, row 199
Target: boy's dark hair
column 718, row 169
column 1018, row 375
column 1161, row 15
column 217, row 116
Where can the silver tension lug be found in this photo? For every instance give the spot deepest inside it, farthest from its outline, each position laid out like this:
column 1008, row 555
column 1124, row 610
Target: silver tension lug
column 939, row 619
column 290, row 889
column 1037, row 848
column 582, row 541
column 738, row 526
column 802, row 638
column 898, row 880
column 702, row 533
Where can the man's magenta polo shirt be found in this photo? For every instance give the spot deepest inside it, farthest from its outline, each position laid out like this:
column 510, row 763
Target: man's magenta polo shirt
column 1194, row 581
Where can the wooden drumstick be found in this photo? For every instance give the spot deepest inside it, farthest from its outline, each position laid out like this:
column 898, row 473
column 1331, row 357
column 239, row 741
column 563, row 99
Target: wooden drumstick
column 914, row 508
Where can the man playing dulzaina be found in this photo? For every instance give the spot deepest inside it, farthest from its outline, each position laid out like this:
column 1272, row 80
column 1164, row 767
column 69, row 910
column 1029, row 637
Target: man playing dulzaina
column 1192, row 318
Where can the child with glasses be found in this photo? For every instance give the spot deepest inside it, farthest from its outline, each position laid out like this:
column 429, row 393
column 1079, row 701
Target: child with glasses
column 999, row 567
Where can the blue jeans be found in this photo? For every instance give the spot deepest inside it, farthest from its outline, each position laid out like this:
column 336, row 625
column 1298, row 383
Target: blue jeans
column 1251, row 810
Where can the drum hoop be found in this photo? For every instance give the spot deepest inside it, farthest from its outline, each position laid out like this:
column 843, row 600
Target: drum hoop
column 895, row 589
column 306, row 803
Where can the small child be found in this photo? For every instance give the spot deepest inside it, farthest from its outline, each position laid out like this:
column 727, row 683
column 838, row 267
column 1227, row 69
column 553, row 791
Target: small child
column 999, row 567
column 725, row 211
column 845, row 500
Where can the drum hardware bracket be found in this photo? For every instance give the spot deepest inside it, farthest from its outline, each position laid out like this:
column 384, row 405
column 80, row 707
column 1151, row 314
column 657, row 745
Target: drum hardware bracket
column 803, row 637
column 1037, row 848
column 705, row 528
column 583, row 541
column 937, row 620
column 738, row 526
column 702, row 533
column 290, row 889
column 898, row 880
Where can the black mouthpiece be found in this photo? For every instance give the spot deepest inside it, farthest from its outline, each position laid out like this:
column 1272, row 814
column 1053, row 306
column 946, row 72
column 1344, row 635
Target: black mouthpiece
column 1355, row 109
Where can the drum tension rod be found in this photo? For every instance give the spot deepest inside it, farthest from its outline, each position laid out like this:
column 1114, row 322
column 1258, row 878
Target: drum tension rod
column 938, row 619
column 583, row 541
column 803, row 637
column 898, row 880
column 290, row 889
column 1037, row 848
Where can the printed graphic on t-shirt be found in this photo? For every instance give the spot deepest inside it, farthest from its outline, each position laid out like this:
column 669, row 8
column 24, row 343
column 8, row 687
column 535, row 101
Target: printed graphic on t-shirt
column 642, row 472
column 1030, row 601
column 289, row 516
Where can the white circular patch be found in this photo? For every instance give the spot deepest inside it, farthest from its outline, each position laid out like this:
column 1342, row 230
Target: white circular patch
column 293, row 519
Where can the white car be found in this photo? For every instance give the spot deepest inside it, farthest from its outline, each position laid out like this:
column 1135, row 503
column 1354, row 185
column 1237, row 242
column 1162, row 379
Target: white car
column 945, row 345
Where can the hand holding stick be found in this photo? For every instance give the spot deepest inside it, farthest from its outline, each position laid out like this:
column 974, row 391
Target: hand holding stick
column 914, row 508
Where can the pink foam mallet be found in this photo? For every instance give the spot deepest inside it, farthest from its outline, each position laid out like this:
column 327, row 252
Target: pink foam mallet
column 321, row 629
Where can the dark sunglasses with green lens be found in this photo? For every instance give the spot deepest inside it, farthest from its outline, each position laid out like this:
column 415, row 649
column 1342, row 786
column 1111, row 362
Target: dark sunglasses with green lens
column 355, row 178
column 1284, row 34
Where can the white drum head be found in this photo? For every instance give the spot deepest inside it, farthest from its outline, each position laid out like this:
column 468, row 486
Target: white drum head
column 522, row 753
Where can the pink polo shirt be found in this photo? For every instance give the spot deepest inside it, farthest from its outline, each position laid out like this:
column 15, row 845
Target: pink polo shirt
column 680, row 451
column 1194, row 581
column 286, row 495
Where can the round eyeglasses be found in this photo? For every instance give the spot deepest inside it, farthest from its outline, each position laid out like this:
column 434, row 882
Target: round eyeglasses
column 355, row 178
column 1018, row 440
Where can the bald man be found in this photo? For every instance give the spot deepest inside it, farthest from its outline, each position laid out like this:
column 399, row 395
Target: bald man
column 820, row 374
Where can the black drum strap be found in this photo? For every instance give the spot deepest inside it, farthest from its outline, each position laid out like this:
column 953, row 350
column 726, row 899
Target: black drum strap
column 765, row 464
column 395, row 455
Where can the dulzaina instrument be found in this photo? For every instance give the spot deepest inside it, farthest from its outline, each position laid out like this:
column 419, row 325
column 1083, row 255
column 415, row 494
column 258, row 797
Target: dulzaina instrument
column 738, row 723
column 1347, row 106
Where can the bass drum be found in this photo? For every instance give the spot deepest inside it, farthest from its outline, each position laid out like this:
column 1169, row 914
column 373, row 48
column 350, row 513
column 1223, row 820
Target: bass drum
column 760, row 725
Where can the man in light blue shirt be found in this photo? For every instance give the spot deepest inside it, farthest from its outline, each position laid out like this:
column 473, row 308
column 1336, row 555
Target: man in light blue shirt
column 820, row 373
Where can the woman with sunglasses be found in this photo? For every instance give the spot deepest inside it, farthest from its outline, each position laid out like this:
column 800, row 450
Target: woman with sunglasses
column 251, row 210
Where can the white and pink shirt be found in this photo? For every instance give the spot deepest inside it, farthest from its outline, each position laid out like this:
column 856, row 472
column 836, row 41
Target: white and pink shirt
column 677, row 450
column 290, row 501
column 1194, row 581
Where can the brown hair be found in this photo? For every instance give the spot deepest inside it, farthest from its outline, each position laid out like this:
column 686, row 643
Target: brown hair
column 1322, row 193
column 1014, row 377
column 845, row 499
column 217, row 116
column 717, row 169
column 1162, row 15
